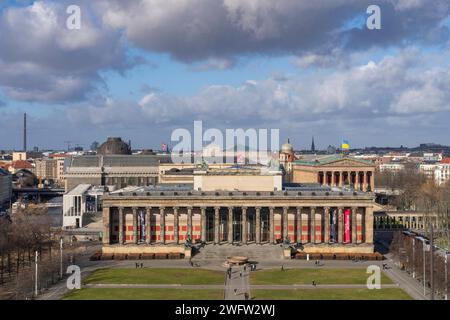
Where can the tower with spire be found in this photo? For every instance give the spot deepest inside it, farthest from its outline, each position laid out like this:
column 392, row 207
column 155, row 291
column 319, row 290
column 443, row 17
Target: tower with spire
column 313, row 147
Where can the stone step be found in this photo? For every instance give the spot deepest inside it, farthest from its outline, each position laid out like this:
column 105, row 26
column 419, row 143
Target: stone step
column 254, row 252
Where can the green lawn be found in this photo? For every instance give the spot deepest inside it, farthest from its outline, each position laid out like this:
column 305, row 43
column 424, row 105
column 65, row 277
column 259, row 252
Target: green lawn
column 143, row 294
column 331, row 294
column 307, row 275
column 155, row 276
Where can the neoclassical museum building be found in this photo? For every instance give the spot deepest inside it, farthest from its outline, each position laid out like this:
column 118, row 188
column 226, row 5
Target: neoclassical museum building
column 239, row 205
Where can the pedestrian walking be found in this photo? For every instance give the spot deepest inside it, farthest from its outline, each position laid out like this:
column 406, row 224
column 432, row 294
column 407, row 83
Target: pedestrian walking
column 282, row 268
column 246, row 296
column 314, row 283
column 142, row 265
column 235, row 292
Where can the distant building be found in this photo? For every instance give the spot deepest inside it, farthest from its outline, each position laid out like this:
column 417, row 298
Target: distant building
column 114, row 146
column 331, row 149
column 5, row 186
column 19, row 156
column 442, row 172
column 118, row 171
column 20, row 165
column 432, row 157
column 335, row 170
column 45, row 169
column 428, row 169
column 287, row 158
column 392, row 167
column 59, row 163
column 81, row 201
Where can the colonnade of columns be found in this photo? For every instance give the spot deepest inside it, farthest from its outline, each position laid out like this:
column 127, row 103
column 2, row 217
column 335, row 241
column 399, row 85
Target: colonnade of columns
column 411, row 221
column 360, row 180
column 226, row 224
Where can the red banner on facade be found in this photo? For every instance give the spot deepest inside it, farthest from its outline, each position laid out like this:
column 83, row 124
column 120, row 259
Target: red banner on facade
column 346, row 225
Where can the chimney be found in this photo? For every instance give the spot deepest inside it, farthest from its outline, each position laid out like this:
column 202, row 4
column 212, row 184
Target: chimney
column 25, row 132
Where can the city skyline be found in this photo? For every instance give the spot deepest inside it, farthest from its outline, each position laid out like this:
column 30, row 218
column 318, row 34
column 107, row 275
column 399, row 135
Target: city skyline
column 233, row 65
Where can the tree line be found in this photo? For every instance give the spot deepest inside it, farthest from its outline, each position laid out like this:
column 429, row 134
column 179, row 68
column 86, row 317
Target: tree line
column 417, row 192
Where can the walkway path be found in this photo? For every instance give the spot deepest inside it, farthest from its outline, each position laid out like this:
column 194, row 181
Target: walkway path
column 406, row 282
column 238, row 284
column 241, row 284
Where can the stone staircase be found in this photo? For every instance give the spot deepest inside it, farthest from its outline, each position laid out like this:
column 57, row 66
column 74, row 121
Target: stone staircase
column 253, row 252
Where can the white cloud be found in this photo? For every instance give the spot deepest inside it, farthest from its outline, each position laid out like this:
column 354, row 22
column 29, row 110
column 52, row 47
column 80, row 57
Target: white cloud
column 41, row 60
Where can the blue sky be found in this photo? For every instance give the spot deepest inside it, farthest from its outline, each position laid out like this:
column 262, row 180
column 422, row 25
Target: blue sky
column 144, row 68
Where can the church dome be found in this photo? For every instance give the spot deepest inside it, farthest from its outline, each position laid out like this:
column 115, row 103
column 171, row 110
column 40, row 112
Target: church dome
column 114, row 145
column 287, row 147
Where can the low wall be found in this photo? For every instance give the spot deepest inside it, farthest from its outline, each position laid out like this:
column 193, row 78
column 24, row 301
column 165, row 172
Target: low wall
column 366, row 248
column 142, row 249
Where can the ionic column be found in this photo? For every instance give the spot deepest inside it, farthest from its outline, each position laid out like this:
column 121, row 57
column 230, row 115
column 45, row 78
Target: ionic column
column 148, row 219
column 364, row 181
column 299, row 224
column 203, row 222
column 135, row 226
column 216, row 225
column 230, row 225
column 258, row 225
column 341, row 225
column 368, row 215
column 106, row 225
column 162, row 225
column 244, row 225
column 341, row 178
column 285, row 222
column 176, row 233
column 359, row 180
column 189, row 222
column 354, row 227
column 272, row 225
column 121, row 238
column 326, row 237
column 313, row 225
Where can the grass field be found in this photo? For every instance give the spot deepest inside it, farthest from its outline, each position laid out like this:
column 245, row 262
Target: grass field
column 155, row 276
column 203, row 277
column 307, row 275
column 331, row 294
column 143, row 294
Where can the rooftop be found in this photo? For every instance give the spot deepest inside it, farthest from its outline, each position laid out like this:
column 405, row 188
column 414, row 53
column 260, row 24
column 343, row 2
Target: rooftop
column 186, row 190
column 318, row 161
column 97, row 161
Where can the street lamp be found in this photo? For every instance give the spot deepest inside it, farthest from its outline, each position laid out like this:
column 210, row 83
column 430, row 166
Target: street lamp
column 446, row 275
column 61, row 258
column 36, row 274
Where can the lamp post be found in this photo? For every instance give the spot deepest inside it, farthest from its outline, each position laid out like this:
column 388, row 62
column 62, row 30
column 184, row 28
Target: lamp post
column 61, row 258
column 36, row 274
column 431, row 261
column 424, row 268
column 446, row 275
column 413, row 257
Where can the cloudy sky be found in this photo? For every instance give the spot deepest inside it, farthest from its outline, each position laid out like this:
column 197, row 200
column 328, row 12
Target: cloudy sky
column 140, row 69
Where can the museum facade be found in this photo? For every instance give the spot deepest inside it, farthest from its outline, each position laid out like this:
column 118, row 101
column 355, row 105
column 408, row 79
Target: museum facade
column 253, row 208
